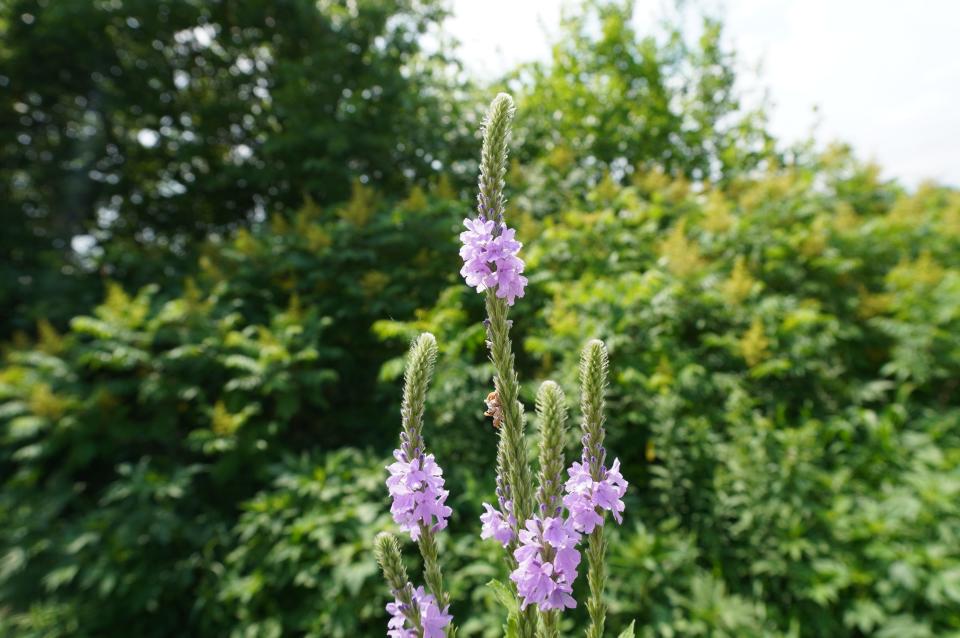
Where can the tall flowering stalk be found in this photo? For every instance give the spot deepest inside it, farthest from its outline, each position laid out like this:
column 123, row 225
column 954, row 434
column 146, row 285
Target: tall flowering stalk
column 491, row 265
column 592, row 487
column 547, row 558
column 387, row 551
column 543, row 536
column 416, row 486
column 541, row 530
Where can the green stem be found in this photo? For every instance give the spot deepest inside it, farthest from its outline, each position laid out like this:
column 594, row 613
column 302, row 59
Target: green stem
column 593, row 383
column 596, row 576
column 519, row 477
column 511, row 447
column 549, row 624
column 431, row 572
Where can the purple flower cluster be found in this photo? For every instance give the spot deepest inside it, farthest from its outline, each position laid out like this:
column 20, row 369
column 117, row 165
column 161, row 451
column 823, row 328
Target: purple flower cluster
column 585, row 498
column 547, row 563
column 416, row 487
column 488, row 244
column 548, row 556
column 432, row 618
column 496, row 525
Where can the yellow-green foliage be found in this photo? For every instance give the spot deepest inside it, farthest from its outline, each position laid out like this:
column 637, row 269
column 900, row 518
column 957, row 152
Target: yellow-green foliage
column 139, row 447
column 754, row 345
column 740, row 283
column 443, row 189
column 416, row 200
column 785, row 349
column 717, row 214
column 44, row 403
column 359, row 209
column 48, row 339
column 680, row 255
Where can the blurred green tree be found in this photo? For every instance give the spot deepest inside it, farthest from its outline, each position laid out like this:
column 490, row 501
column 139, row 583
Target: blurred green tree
column 610, row 101
column 145, row 124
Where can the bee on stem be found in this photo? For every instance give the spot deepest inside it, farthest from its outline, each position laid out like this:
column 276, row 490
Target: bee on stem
column 494, row 409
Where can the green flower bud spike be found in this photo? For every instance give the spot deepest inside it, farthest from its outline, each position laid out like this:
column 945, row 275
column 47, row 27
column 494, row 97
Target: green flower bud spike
column 416, row 380
column 552, row 413
column 593, row 384
column 387, row 552
column 493, row 157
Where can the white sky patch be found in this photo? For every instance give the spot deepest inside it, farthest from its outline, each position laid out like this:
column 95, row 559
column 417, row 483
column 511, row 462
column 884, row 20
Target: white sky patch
column 148, row 138
column 883, row 75
column 82, row 244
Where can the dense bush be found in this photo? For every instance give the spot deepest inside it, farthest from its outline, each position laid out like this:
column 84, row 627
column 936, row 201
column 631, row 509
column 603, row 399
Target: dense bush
column 785, row 352
column 129, row 441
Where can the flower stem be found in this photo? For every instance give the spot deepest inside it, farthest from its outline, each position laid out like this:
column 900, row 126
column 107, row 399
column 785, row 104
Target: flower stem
column 519, row 476
column 419, row 370
column 596, row 575
column 552, row 420
column 593, row 384
column 431, row 572
column 549, row 624
column 513, row 465
column 511, row 447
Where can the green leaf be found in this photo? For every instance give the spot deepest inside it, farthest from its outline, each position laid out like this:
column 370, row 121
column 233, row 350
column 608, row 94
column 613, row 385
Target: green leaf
column 628, row 632
column 511, row 629
column 505, row 596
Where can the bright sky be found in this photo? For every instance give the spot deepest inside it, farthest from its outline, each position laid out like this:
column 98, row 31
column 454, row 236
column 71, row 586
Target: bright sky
column 884, row 74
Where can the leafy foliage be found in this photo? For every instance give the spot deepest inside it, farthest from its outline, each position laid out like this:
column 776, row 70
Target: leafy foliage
column 783, row 355
column 180, row 431
column 300, row 562
column 129, row 441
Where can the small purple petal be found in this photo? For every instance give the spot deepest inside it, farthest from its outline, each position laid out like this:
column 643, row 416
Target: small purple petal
column 547, row 583
column 490, row 259
column 432, row 618
column 586, row 499
column 416, row 488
